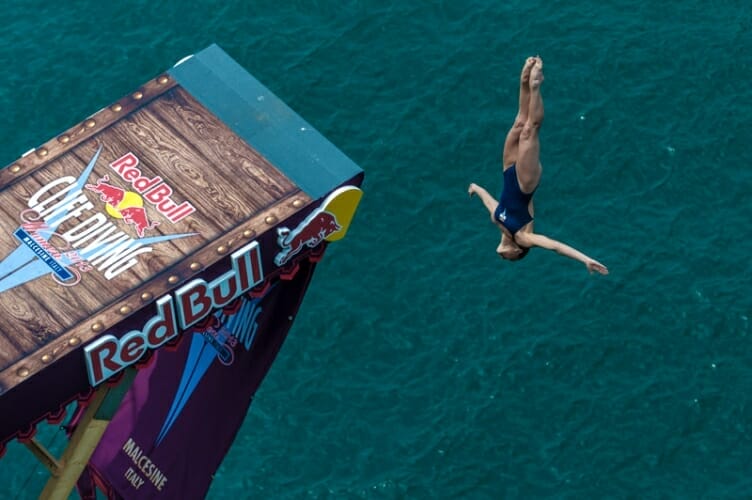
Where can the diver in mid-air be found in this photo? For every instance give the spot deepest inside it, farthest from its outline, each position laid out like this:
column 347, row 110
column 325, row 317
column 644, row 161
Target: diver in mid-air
column 513, row 213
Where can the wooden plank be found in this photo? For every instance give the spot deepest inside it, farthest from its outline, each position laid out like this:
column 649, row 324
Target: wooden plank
column 191, row 174
column 259, row 117
column 215, row 141
column 49, row 298
column 205, row 228
column 27, row 326
column 104, row 290
column 162, row 254
column 147, row 292
column 44, row 289
column 88, row 295
column 13, row 348
column 237, row 195
column 94, row 290
column 84, row 130
column 149, row 263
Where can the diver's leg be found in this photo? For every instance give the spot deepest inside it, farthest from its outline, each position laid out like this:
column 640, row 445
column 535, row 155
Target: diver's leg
column 511, row 146
column 528, row 158
column 489, row 201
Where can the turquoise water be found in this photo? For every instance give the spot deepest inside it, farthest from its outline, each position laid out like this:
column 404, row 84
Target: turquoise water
column 421, row 365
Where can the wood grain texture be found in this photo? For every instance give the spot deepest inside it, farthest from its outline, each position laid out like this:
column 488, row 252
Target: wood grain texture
column 84, row 130
column 194, row 176
column 232, row 187
column 203, row 229
column 219, row 145
column 75, row 337
column 104, row 289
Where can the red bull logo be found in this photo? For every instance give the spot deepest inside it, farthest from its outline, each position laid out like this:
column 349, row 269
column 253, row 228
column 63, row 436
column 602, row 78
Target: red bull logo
column 176, row 312
column 155, row 190
column 112, row 195
column 122, row 204
column 136, row 216
column 63, row 234
column 311, row 232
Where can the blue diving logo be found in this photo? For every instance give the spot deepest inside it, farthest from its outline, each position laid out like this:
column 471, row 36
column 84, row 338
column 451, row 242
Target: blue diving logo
column 88, row 240
column 209, row 346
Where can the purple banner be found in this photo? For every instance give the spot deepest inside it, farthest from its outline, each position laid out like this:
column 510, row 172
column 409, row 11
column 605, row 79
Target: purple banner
column 182, row 412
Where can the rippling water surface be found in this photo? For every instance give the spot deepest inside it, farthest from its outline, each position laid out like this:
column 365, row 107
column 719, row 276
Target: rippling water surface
column 422, row 366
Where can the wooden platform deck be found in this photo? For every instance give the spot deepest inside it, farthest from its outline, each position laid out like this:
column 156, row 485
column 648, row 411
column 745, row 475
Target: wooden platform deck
column 142, row 196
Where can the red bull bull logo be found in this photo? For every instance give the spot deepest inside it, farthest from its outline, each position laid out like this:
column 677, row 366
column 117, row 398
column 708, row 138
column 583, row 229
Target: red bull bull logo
column 136, row 216
column 112, row 195
column 123, row 204
column 311, row 232
column 329, row 222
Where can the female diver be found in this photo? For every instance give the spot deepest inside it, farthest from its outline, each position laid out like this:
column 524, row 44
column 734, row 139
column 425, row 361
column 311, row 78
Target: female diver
column 513, row 213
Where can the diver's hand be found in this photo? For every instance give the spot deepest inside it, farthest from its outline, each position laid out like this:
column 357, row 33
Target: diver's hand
column 595, row 266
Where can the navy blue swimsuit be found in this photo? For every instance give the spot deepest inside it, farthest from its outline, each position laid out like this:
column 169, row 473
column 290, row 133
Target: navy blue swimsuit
column 512, row 211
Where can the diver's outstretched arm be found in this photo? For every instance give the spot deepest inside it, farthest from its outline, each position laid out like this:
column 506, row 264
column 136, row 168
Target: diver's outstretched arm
column 538, row 240
column 489, row 201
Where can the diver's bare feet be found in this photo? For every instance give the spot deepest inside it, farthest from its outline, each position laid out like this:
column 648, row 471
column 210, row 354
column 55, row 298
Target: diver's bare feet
column 536, row 73
column 472, row 189
column 525, row 76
